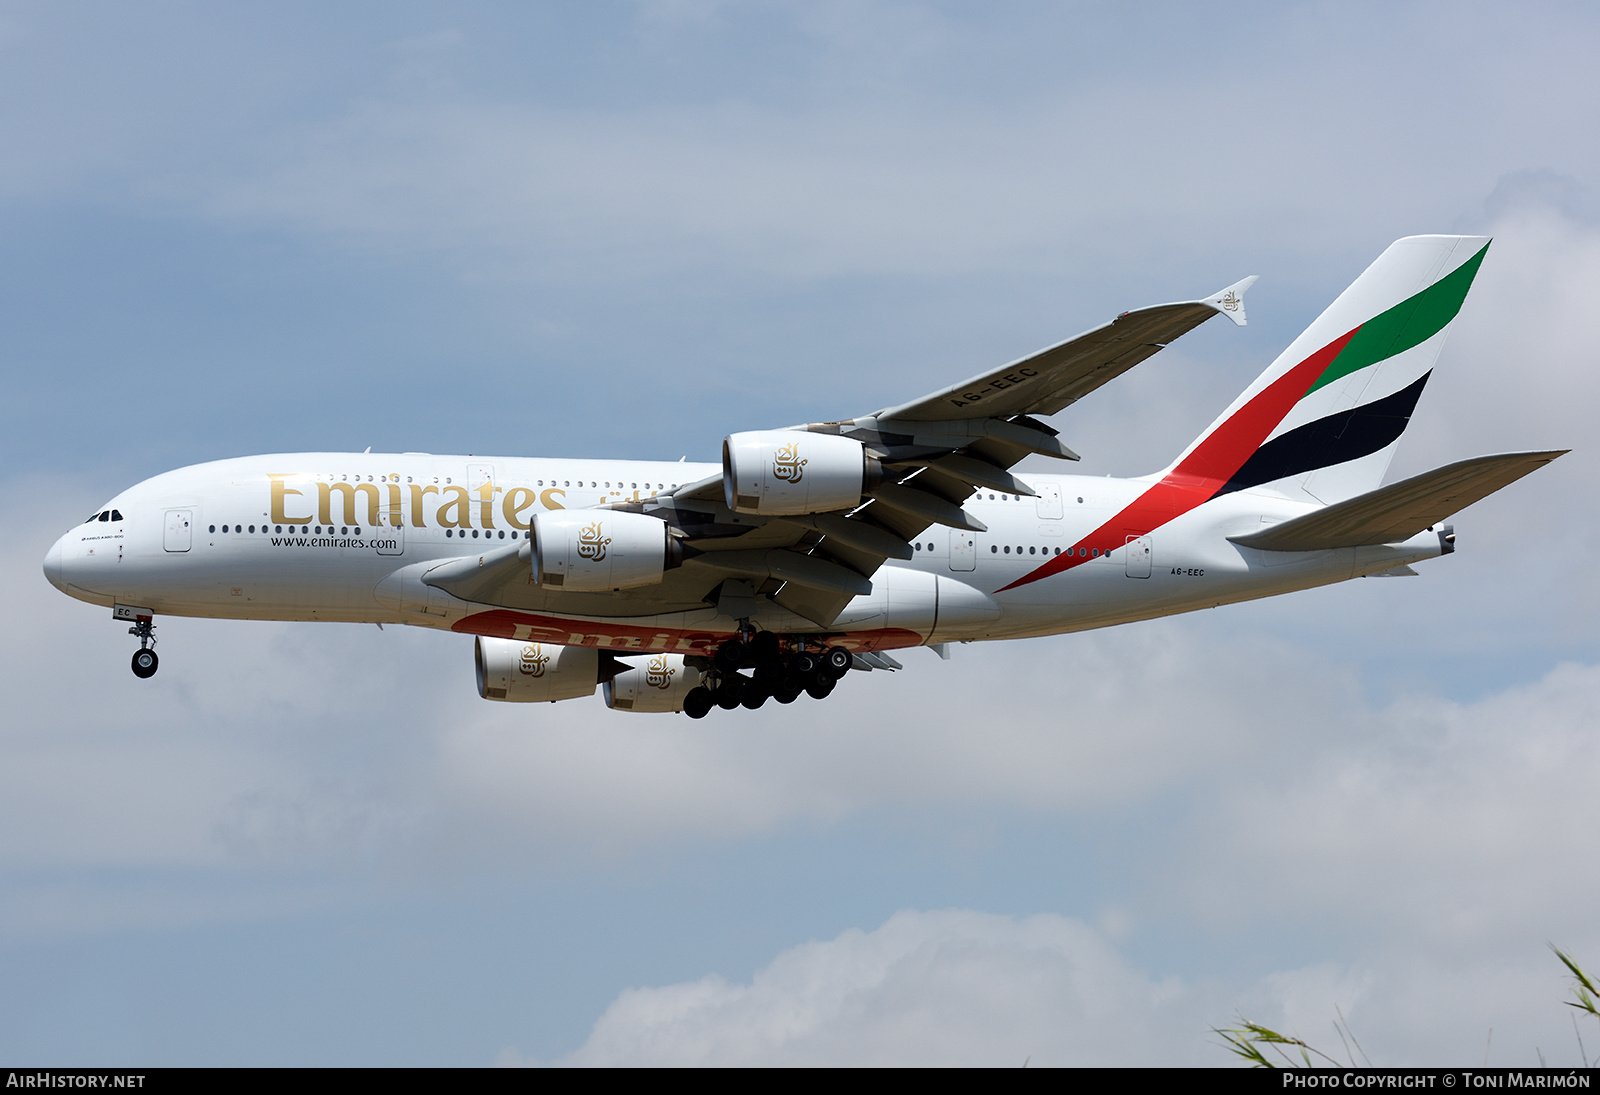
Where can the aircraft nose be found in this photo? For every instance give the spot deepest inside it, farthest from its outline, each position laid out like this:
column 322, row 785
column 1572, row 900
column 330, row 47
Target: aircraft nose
column 52, row 564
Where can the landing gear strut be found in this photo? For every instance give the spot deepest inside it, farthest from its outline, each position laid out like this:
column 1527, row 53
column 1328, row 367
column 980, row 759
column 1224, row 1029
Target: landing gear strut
column 145, row 661
column 782, row 670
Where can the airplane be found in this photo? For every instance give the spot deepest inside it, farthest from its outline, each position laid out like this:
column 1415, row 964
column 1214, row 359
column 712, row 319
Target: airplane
column 818, row 549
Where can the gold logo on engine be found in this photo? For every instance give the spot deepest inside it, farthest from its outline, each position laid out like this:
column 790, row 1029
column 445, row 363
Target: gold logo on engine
column 787, row 465
column 592, row 545
column 657, row 675
column 533, row 660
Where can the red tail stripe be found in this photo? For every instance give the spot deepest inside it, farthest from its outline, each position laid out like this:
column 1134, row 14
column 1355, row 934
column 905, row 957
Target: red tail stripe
column 1205, row 470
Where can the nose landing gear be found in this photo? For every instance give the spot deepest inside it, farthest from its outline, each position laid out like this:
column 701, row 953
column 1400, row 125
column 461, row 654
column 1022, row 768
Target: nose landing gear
column 145, row 661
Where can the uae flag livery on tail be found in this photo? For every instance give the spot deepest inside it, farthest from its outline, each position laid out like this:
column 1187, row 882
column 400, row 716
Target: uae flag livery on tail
column 1321, row 424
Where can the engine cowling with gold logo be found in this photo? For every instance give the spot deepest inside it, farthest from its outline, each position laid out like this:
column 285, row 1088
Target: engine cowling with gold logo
column 791, row 471
column 520, row 672
column 590, row 550
column 658, row 682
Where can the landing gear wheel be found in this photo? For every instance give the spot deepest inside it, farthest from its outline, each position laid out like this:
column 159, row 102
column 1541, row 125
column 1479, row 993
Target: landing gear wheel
column 766, row 647
column 819, row 687
column 837, row 659
column 753, row 695
column 730, row 655
column 698, row 703
column 144, row 659
column 786, row 693
column 727, row 697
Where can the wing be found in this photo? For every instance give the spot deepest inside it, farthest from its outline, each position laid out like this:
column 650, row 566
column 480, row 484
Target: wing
column 1056, row 377
column 924, row 459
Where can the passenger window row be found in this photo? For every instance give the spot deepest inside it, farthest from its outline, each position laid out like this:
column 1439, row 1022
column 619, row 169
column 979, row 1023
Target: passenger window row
column 113, row 515
column 996, row 549
column 302, row 529
column 1087, row 553
column 346, row 530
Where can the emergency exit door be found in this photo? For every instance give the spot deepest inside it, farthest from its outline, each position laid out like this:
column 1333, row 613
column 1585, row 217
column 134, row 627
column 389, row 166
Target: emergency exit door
column 1138, row 559
column 963, row 549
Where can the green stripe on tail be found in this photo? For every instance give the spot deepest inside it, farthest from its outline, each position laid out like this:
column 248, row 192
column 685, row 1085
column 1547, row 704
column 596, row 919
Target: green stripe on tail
column 1409, row 323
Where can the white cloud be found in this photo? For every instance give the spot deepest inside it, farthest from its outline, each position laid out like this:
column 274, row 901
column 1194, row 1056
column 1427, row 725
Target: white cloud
column 1469, row 821
column 926, row 988
column 964, row 988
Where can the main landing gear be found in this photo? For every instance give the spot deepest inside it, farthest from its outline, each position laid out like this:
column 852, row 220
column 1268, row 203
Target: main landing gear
column 780, row 670
column 145, row 662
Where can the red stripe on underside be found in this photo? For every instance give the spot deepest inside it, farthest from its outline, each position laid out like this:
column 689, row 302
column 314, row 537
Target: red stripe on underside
column 634, row 639
column 1205, row 470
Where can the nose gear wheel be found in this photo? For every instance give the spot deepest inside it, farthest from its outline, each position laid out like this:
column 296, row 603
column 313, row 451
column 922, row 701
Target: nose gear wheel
column 145, row 662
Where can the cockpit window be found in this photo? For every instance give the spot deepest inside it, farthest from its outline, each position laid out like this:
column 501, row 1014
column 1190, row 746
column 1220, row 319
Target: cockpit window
column 106, row 516
column 116, row 515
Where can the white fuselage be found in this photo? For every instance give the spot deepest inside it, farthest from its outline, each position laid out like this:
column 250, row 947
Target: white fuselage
column 347, row 537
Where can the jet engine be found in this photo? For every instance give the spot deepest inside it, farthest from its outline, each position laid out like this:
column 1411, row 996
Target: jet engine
column 780, row 472
column 590, row 550
column 658, row 683
column 519, row 672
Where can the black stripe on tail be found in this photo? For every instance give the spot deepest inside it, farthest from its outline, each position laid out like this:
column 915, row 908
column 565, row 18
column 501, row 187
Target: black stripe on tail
column 1348, row 435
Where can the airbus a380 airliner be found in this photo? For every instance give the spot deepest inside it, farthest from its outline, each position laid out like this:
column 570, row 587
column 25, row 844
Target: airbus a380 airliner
column 819, row 548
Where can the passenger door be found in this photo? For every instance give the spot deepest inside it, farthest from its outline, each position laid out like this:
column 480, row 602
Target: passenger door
column 1138, row 556
column 179, row 532
column 963, row 549
column 1049, row 501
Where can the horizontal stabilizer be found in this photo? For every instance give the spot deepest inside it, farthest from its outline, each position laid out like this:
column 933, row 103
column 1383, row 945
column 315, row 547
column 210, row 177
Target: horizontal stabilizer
column 1399, row 511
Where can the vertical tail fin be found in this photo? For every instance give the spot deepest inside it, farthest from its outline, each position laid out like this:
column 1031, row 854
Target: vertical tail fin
column 1322, row 423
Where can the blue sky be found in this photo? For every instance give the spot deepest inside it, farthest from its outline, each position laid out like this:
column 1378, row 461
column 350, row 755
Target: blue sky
column 627, row 230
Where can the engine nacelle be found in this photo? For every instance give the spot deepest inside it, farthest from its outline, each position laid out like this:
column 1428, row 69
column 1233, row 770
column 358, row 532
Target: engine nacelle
column 521, row 672
column 791, row 471
column 658, row 683
column 589, row 550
